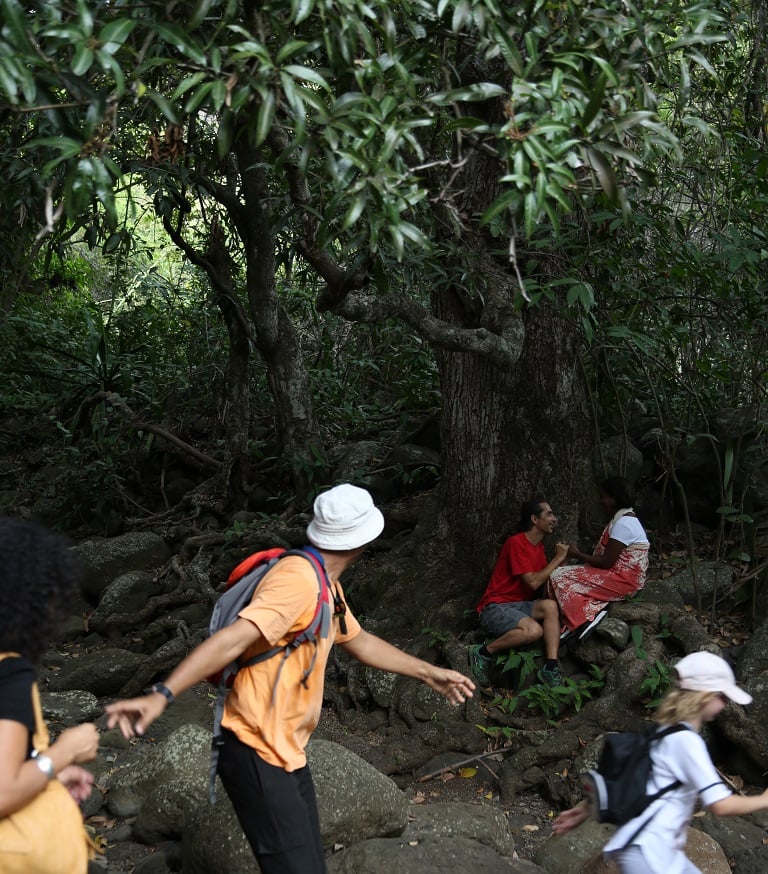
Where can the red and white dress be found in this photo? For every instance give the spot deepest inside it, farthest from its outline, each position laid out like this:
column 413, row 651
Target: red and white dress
column 582, row 590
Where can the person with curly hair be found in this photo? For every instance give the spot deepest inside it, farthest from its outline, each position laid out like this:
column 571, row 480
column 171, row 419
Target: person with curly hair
column 38, row 577
column 654, row 841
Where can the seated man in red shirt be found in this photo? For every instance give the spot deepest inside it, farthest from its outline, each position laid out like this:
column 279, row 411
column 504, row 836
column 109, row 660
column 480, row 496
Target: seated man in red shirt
column 511, row 608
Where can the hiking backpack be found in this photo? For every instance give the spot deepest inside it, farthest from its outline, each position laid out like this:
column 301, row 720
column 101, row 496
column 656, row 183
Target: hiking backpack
column 241, row 585
column 617, row 789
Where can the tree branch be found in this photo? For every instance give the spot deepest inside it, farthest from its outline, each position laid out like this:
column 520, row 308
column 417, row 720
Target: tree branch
column 367, row 308
column 138, row 425
column 338, row 281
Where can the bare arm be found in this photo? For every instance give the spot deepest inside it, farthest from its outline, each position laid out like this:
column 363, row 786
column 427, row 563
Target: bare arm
column 605, row 561
column 569, row 819
column 373, row 651
column 739, row 805
column 135, row 715
column 536, row 580
column 20, row 778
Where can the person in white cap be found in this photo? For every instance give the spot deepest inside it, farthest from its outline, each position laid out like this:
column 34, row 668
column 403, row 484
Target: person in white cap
column 274, row 705
column 654, row 841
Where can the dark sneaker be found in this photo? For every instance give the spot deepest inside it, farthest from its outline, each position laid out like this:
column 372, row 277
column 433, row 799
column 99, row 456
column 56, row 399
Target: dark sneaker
column 480, row 665
column 589, row 627
column 551, row 676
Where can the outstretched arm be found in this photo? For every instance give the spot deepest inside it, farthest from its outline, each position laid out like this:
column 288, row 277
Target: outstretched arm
column 739, row 805
column 535, row 580
column 373, row 651
column 605, row 560
column 135, row 715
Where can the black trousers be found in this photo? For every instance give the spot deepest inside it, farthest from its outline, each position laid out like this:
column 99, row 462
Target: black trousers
column 277, row 810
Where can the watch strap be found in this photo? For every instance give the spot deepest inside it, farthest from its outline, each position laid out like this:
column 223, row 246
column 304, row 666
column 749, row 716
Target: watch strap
column 165, row 691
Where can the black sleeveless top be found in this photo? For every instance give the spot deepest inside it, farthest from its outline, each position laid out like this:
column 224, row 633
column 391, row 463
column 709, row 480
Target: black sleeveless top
column 16, row 678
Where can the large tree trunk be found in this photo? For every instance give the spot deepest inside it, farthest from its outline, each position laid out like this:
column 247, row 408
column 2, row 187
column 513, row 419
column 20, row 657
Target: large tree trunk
column 511, row 430
column 508, row 435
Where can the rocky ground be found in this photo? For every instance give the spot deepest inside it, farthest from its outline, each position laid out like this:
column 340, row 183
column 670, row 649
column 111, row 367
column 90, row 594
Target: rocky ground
column 529, row 815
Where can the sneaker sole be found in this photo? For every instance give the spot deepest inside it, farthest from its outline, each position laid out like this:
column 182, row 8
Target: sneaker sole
column 596, row 621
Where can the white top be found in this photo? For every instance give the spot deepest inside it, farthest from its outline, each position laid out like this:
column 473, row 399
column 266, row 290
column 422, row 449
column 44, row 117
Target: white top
column 681, row 756
column 627, row 529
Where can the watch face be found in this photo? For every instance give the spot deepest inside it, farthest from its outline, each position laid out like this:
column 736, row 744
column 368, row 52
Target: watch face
column 46, row 765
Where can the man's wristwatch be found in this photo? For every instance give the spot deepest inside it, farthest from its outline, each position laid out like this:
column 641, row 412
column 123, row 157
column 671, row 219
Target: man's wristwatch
column 164, row 690
column 45, row 763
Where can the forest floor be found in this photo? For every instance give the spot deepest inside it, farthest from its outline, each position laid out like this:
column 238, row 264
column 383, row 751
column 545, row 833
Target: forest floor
column 529, row 815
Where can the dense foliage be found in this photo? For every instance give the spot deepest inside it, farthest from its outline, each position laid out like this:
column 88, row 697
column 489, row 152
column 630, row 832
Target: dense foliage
column 313, row 157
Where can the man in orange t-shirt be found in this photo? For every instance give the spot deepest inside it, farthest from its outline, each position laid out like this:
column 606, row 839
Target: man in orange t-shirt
column 270, row 713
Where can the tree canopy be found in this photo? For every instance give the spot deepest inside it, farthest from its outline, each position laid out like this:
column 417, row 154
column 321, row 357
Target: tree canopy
column 511, row 181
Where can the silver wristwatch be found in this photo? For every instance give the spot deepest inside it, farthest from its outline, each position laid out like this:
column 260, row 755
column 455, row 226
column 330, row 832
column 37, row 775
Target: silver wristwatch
column 45, row 763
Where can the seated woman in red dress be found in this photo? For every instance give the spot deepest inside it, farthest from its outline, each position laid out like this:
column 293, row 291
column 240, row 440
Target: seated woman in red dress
column 615, row 570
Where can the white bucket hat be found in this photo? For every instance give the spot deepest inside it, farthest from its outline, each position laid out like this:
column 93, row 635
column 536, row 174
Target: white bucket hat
column 345, row 518
column 706, row 672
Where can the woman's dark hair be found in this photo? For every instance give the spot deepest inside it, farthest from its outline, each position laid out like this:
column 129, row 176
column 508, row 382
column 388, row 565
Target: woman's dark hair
column 532, row 507
column 621, row 490
column 38, row 579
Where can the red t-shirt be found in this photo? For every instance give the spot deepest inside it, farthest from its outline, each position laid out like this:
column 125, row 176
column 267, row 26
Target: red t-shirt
column 518, row 556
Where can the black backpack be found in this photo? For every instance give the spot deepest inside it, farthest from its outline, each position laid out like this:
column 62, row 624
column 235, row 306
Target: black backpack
column 617, row 789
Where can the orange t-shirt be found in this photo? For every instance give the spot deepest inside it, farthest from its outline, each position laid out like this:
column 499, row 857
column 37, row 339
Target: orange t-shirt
column 277, row 719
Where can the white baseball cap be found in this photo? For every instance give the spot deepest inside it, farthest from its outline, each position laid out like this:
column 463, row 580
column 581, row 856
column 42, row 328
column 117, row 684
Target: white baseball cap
column 707, row 672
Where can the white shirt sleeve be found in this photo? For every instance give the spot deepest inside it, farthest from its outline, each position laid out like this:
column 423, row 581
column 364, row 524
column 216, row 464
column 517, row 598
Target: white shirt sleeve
column 628, row 530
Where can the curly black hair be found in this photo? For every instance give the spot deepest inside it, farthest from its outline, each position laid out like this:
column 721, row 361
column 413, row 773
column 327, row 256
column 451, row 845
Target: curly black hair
column 39, row 575
column 620, row 489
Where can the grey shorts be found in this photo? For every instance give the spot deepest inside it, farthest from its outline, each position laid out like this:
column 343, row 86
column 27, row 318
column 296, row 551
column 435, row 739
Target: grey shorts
column 498, row 619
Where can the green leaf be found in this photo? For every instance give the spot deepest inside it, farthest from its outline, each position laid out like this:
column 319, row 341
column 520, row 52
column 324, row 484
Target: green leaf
column 82, row 60
column 109, row 63
column 187, row 83
column 308, row 74
column 301, row 9
column 462, row 12
column 265, row 117
column 85, row 16
column 596, row 97
column 605, row 174
column 292, row 47
column 355, row 211
column 477, row 91
column 197, row 97
column 14, row 18
column 199, row 13
column 164, row 105
column 225, row 134
column 728, row 465
column 8, row 82
column 114, row 34
column 180, row 40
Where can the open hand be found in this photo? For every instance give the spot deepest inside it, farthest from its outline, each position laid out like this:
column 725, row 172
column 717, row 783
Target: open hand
column 570, row 818
column 77, row 780
column 453, row 685
column 134, row 715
